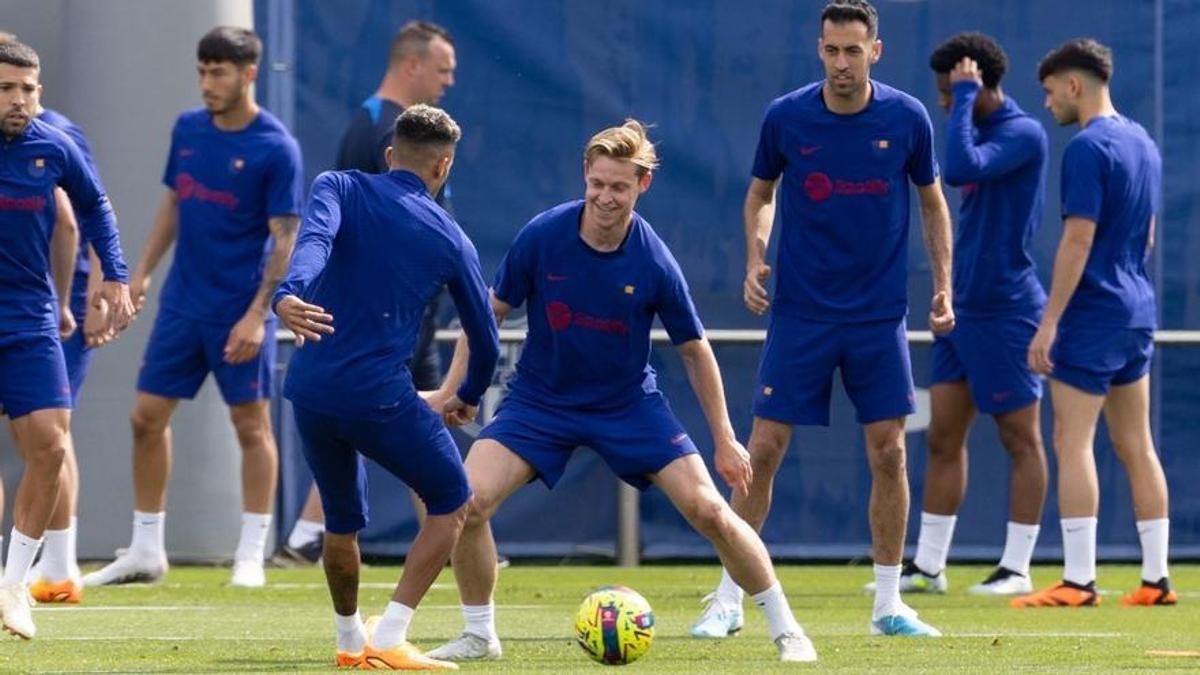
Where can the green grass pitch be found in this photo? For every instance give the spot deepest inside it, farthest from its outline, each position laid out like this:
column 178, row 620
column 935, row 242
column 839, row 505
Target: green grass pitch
column 194, row 623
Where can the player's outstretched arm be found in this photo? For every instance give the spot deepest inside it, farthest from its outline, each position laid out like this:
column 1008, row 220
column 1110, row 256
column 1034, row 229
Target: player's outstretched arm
column 758, row 214
column 246, row 338
column 458, row 363
column 731, row 459
column 321, row 222
column 935, row 228
column 162, row 234
column 1069, row 263
column 64, row 245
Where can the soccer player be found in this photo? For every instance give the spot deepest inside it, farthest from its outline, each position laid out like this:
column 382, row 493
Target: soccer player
column 595, row 275
column 420, row 69
column 56, row 575
column 1096, row 337
column 842, row 152
column 996, row 153
column 234, row 184
column 381, row 248
column 34, row 391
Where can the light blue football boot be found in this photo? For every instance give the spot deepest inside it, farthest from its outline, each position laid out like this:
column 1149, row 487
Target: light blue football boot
column 903, row 625
column 721, row 618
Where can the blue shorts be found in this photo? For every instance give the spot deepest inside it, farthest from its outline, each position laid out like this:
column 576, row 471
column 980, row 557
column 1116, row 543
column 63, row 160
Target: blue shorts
column 795, row 374
column 1092, row 359
column 413, row 446
column 635, row 440
column 78, row 357
column 992, row 356
column 33, row 375
column 183, row 351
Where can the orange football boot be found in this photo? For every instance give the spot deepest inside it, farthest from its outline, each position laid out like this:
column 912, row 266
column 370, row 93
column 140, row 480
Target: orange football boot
column 67, row 591
column 1064, row 594
column 1151, row 594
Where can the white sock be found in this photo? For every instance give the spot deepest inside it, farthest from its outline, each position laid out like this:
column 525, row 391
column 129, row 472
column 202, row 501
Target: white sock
column 253, row 542
column 305, row 532
column 933, row 543
column 73, row 551
column 775, row 608
column 887, row 591
column 21, row 551
column 351, row 633
column 1154, row 534
column 1079, row 550
column 1, row 555
column 393, row 627
column 728, row 591
column 1018, row 547
column 57, row 554
column 480, row 620
column 148, row 533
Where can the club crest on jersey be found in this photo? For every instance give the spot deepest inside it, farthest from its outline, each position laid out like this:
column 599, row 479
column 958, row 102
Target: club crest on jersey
column 37, row 167
column 880, row 144
column 237, row 164
column 629, row 290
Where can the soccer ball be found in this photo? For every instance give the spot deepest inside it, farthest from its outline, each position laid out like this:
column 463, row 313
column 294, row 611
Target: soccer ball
column 614, row 625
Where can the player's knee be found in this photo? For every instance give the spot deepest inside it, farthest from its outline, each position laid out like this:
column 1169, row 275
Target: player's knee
column 1021, row 443
column 710, row 516
column 942, row 445
column 146, row 424
column 887, row 460
column 767, row 447
column 478, row 511
column 47, row 454
column 1132, row 449
column 252, row 430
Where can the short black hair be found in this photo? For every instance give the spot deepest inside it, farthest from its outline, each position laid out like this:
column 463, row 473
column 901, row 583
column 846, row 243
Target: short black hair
column 424, row 126
column 19, row 54
column 1083, row 54
column 845, row 11
column 980, row 48
column 415, row 37
column 239, row 46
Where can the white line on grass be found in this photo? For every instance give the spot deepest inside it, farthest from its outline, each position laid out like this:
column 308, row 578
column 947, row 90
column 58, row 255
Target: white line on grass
column 127, row 608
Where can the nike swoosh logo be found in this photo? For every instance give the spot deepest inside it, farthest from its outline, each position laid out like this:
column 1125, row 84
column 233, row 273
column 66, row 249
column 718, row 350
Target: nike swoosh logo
column 556, row 277
column 1076, row 529
column 807, row 150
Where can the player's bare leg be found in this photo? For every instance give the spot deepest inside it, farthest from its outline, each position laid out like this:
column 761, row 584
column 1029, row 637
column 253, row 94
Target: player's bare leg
column 146, row 558
column 1075, row 415
column 1127, row 414
column 41, row 439
column 260, row 467
column 495, row 473
column 687, row 484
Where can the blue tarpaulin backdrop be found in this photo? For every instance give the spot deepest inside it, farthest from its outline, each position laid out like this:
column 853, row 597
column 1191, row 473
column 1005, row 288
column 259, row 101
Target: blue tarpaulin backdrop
column 535, row 79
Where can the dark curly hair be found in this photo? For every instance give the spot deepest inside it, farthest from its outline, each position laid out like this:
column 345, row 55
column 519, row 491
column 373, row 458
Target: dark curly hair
column 982, row 49
column 1084, row 54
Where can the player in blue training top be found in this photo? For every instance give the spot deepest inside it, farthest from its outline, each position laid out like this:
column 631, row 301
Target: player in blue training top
column 34, row 391
column 595, row 275
column 1096, row 337
column 420, row 69
column 234, row 182
column 996, row 153
column 372, row 250
column 842, row 152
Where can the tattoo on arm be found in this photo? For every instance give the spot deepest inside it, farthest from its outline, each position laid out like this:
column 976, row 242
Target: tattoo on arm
column 283, row 232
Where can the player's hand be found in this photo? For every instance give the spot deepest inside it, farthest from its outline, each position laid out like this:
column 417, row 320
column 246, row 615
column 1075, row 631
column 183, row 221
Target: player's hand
column 941, row 314
column 754, row 290
column 966, row 70
column 120, row 306
column 139, row 285
column 246, row 338
column 66, row 322
column 97, row 327
column 1039, row 349
column 733, row 465
column 436, row 399
column 308, row 322
column 455, row 413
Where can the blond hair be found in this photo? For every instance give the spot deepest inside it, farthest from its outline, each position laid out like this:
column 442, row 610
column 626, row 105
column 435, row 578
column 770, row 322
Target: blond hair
column 628, row 142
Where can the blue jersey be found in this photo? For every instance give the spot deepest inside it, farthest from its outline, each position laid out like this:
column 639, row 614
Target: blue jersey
column 83, row 263
column 373, row 250
column 32, row 164
column 843, row 201
column 1000, row 164
column 590, row 312
column 228, row 184
column 1112, row 176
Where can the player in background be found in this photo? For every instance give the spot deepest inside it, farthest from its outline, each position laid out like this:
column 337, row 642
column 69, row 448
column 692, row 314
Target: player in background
column 56, row 576
column 420, row 69
column 34, row 391
column 381, row 248
column 842, row 152
column 234, row 184
column 1096, row 337
column 996, row 153
column 595, row 275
